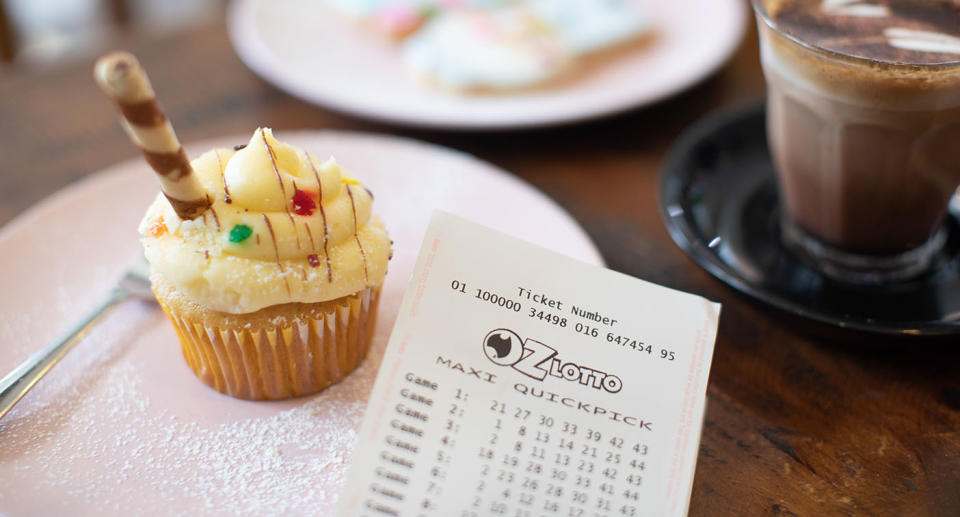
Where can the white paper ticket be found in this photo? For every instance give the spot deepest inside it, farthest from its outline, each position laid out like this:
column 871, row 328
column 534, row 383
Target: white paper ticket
column 519, row 382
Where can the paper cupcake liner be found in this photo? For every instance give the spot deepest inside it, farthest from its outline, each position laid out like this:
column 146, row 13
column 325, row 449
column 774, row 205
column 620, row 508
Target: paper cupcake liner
column 268, row 358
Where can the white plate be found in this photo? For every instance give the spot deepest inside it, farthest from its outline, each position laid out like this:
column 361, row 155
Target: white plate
column 122, row 427
column 308, row 50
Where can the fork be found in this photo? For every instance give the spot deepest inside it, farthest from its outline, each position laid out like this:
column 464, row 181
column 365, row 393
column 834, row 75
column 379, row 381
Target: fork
column 134, row 284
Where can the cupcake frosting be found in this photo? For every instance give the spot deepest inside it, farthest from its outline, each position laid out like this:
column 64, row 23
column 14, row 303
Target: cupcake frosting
column 283, row 227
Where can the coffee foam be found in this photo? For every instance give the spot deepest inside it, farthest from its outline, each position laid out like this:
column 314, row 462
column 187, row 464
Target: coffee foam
column 926, row 32
column 820, row 63
column 854, row 8
column 922, row 41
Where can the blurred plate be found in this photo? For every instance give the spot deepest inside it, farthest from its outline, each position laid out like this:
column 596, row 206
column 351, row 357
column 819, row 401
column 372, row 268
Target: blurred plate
column 122, row 427
column 310, row 51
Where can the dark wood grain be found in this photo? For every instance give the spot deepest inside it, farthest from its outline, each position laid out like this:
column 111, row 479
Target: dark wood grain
column 801, row 420
column 7, row 35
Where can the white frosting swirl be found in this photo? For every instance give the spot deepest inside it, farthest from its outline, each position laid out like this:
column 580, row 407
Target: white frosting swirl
column 283, row 228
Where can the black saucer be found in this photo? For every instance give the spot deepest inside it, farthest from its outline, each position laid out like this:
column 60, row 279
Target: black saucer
column 718, row 198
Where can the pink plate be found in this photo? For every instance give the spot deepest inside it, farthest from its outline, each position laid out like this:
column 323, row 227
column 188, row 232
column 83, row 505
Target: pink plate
column 122, row 427
column 305, row 48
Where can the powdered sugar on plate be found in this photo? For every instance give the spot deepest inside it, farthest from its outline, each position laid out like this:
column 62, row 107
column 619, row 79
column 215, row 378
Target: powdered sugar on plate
column 94, row 436
column 122, row 426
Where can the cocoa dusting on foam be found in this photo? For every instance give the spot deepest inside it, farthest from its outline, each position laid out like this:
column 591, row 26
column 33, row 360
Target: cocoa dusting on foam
column 891, row 31
column 872, row 64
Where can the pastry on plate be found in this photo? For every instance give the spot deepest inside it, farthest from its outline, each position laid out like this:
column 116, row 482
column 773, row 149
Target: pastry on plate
column 517, row 44
column 399, row 18
column 267, row 261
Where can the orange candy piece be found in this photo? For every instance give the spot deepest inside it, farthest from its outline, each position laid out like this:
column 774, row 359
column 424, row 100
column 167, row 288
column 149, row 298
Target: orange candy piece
column 157, row 228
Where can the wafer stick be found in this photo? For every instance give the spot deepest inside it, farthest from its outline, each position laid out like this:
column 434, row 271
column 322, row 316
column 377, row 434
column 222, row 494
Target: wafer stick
column 120, row 75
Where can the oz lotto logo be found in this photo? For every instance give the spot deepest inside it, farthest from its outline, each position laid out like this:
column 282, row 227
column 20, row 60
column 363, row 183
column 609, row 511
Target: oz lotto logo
column 536, row 360
column 503, row 347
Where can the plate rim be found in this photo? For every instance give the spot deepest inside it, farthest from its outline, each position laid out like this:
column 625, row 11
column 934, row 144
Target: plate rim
column 128, row 173
column 78, row 187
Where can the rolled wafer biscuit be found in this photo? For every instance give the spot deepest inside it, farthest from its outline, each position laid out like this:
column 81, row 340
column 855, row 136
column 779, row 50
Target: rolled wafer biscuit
column 120, row 75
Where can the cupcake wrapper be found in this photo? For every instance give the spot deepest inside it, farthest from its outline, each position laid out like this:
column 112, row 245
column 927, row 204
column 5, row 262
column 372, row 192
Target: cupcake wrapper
column 300, row 356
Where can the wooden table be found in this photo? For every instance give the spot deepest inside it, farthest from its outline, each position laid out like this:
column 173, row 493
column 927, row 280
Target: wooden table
column 800, row 420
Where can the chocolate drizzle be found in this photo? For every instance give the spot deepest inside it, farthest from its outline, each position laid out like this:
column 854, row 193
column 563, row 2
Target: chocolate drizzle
column 293, row 223
column 296, row 232
column 313, row 245
column 216, row 218
column 223, row 179
column 276, row 252
column 323, row 216
column 356, row 234
column 283, row 190
column 273, row 161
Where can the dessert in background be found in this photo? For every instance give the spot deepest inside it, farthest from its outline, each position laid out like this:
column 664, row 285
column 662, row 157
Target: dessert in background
column 506, row 47
column 399, row 18
column 490, row 45
column 267, row 261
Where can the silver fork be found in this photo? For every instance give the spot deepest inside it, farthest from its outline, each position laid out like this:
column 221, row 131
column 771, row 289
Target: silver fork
column 134, row 284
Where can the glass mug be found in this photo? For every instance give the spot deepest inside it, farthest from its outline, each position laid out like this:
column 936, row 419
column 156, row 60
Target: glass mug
column 863, row 122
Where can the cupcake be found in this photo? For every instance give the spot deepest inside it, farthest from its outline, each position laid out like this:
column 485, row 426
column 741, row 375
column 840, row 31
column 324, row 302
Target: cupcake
column 267, row 261
column 273, row 289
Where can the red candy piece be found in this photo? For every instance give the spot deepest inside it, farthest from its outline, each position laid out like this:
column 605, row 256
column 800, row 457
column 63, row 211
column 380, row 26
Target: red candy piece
column 313, row 259
column 303, row 203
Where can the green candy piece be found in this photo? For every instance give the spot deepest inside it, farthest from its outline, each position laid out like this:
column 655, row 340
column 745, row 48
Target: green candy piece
column 240, row 233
